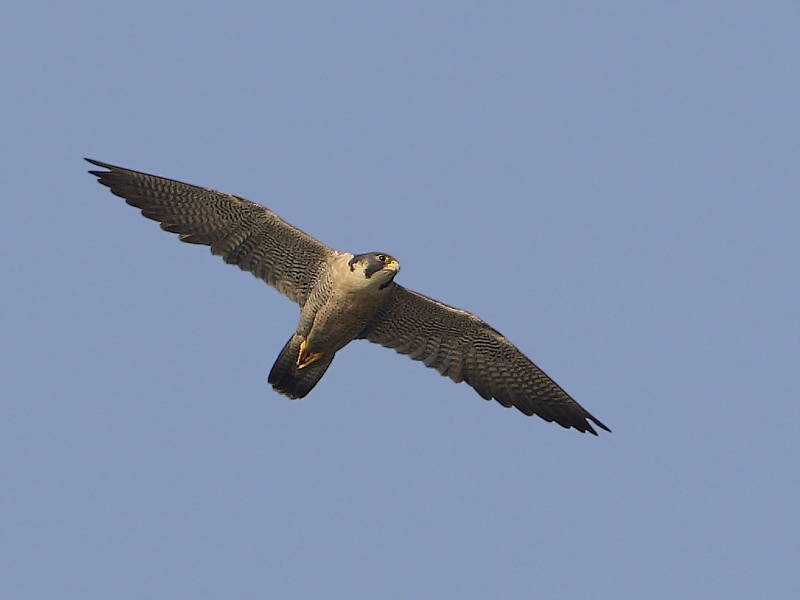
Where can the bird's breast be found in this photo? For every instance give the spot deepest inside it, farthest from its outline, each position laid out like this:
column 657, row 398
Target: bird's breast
column 349, row 305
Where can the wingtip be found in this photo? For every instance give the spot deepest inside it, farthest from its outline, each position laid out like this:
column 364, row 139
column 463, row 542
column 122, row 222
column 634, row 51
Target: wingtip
column 584, row 425
column 98, row 163
column 591, row 429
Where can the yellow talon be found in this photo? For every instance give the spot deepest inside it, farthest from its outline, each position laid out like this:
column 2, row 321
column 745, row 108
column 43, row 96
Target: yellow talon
column 304, row 359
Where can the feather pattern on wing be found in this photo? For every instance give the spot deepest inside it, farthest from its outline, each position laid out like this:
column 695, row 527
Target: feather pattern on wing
column 464, row 348
column 243, row 233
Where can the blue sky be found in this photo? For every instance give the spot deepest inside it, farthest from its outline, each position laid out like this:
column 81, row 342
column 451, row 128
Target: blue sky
column 613, row 186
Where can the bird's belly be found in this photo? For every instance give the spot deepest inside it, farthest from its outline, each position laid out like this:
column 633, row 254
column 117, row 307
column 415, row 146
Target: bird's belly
column 341, row 319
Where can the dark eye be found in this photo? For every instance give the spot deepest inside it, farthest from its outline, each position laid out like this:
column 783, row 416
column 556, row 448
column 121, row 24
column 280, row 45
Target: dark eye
column 382, row 257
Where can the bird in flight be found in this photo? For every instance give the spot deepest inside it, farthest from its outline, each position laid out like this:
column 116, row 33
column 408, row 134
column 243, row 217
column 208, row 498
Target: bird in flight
column 344, row 297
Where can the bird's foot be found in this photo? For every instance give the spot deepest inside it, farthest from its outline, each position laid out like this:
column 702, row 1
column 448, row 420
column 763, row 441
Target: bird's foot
column 304, row 358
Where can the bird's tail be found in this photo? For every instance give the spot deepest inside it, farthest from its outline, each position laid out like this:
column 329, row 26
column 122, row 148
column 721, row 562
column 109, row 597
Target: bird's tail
column 287, row 379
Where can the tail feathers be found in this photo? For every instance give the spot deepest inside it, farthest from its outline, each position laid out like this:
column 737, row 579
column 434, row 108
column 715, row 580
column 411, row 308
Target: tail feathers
column 287, row 379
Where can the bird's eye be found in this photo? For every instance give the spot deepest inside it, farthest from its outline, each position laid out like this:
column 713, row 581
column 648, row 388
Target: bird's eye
column 382, row 257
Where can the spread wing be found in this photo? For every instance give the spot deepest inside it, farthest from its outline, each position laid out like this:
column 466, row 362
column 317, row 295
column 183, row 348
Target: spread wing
column 243, row 233
column 464, row 348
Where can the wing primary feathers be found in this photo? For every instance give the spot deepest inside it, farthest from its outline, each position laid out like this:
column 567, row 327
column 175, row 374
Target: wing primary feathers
column 241, row 232
column 432, row 332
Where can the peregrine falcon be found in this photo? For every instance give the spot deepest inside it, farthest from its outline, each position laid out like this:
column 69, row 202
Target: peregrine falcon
column 344, row 297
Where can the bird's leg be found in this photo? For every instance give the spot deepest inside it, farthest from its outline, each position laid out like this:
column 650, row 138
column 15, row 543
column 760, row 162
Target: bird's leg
column 304, row 358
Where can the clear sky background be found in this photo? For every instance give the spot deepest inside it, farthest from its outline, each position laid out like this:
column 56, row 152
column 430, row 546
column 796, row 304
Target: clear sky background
column 615, row 186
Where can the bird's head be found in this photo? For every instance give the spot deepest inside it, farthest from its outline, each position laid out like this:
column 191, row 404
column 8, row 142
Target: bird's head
column 378, row 267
